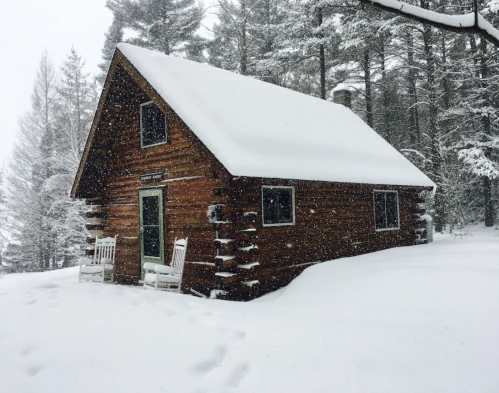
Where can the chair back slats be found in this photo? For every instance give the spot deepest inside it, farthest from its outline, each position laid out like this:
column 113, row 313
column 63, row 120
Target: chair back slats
column 105, row 250
column 167, row 278
column 178, row 256
column 102, row 262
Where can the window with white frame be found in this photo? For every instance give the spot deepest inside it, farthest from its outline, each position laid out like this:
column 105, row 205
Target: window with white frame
column 386, row 210
column 278, row 205
column 153, row 127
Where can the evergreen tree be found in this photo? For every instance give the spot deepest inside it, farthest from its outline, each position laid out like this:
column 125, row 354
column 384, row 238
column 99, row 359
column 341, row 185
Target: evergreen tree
column 32, row 165
column 230, row 46
column 166, row 25
column 247, row 36
column 113, row 36
column 3, row 214
column 44, row 222
column 76, row 102
column 476, row 120
column 306, row 46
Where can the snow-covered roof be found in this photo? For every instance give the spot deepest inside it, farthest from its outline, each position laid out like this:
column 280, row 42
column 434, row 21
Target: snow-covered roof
column 257, row 129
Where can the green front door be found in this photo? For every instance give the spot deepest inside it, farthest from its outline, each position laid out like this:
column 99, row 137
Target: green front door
column 151, row 226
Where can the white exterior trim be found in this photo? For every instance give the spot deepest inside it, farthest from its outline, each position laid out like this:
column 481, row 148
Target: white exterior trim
column 141, row 130
column 158, row 193
column 398, row 211
column 292, row 203
column 181, row 178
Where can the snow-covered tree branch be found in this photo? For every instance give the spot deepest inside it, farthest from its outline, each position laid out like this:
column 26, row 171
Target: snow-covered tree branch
column 472, row 22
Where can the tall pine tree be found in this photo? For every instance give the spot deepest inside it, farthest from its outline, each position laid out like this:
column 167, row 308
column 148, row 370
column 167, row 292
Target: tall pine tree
column 166, row 25
column 32, row 165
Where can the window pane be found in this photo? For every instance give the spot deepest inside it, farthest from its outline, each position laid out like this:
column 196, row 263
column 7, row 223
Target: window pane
column 151, row 241
column 285, row 205
column 392, row 215
column 270, row 208
column 379, row 210
column 277, row 205
column 150, row 210
column 153, row 125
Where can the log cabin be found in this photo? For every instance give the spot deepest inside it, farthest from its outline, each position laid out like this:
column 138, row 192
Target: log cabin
column 264, row 181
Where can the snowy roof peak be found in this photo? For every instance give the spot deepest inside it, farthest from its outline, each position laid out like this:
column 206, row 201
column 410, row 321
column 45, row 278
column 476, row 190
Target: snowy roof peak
column 257, row 129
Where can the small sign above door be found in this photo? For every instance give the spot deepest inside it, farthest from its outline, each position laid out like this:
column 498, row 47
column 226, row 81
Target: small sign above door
column 154, row 176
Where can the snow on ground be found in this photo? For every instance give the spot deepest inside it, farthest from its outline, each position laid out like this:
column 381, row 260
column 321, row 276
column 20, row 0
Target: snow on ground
column 416, row 319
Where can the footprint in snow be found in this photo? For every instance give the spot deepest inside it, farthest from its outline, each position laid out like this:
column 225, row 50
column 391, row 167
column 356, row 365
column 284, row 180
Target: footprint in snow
column 239, row 334
column 237, row 375
column 50, row 285
column 169, row 313
column 31, row 301
column 27, row 350
column 33, row 370
column 214, row 361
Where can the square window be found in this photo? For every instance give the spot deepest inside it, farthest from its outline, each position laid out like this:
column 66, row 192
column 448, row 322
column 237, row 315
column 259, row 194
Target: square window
column 386, row 210
column 278, row 206
column 153, row 128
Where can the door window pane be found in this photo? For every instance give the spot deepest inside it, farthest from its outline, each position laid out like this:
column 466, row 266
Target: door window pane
column 151, row 222
column 152, row 241
column 150, row 210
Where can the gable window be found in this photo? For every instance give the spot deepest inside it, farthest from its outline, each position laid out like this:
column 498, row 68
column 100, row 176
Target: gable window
column 278, row 205
column 153, row 129
column 386, row 210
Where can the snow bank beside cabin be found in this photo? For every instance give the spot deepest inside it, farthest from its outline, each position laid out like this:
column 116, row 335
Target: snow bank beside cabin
column 408, row 320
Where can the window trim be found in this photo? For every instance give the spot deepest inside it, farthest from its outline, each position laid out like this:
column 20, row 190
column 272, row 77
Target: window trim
column 397, row 228
column 293, row 203
column 142, row 146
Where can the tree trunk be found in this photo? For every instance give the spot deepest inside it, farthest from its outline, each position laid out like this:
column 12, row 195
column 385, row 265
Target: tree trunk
column 415, row 132
column 366, row 65
column 384, row 92
column 243, row 62
column 489, row 210
column 322, row 57
column 440, row 212
column 268, row 76
column 446, row 99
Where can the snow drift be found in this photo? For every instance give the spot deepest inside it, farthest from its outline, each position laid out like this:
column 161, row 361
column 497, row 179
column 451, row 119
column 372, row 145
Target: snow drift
column 409, row 320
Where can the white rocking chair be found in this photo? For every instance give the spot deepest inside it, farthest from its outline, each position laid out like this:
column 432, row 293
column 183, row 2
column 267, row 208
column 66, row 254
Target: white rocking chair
column 101, row 267
column 167, row 278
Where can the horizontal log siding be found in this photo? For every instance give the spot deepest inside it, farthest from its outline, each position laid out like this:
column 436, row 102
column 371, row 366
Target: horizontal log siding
column 332, row 220
column 185, row 201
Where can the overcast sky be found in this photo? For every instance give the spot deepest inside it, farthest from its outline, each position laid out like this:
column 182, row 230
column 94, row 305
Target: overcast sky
column 27, row 27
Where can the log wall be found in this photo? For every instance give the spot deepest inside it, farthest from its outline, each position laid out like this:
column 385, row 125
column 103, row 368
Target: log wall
column 188, row 184
column 233, row 255
column 332, row 220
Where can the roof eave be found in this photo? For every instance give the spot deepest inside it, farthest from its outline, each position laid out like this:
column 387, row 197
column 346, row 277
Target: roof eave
column 75, row 188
